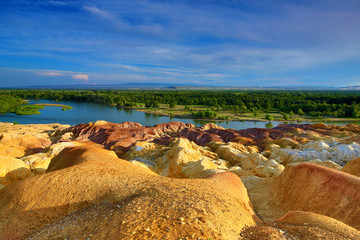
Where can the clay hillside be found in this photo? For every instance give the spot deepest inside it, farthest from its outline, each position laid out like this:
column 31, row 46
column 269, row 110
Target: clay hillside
column 104, row 180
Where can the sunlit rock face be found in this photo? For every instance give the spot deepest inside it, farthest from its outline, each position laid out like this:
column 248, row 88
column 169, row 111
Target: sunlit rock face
column 21, row 140
column 12, row 170
column 181, row 158
column 39, row 162
column 293, row 174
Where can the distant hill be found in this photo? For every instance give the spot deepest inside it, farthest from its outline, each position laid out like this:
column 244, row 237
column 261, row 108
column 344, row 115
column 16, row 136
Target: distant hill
column 165, row 86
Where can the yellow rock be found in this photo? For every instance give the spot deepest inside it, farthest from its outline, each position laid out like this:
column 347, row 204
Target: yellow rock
column 12, row 169
column 328, row 164
column 208, row 126
column 39, row 162
column 283, row 142
column 250, row 164
column 353, row 167
column 181, row 159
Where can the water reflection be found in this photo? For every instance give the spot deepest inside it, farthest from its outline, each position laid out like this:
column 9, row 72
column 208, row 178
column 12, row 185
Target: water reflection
column 269, row 125
column 148, row 115
column 127, row 110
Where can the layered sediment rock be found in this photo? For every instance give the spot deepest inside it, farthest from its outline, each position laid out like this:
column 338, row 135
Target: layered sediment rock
column 175, row 180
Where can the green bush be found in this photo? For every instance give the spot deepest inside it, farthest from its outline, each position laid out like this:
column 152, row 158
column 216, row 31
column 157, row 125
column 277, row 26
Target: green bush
column 64, row 108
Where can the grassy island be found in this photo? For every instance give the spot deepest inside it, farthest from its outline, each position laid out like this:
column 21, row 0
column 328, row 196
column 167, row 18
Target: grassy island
column 63, row 106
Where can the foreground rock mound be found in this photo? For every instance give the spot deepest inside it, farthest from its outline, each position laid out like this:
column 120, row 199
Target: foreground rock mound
column 88, row 192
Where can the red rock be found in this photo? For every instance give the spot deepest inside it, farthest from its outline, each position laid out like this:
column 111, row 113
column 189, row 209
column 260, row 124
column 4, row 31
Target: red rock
column 199, row 137
column 121, row 137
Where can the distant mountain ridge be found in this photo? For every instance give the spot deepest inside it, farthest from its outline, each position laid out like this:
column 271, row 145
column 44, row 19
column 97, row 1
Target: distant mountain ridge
column 166, row 86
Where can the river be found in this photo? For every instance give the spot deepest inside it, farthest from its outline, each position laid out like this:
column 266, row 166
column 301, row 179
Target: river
column 84, row 112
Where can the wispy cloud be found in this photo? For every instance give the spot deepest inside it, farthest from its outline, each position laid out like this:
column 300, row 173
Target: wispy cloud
column 100, row 13
column 48, row 73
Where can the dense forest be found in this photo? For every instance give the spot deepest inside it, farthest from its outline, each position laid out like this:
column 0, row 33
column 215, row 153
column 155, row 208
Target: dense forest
column 311, row 103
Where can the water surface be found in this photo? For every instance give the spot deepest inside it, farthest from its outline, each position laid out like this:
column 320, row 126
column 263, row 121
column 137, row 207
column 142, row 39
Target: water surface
column 84, row 112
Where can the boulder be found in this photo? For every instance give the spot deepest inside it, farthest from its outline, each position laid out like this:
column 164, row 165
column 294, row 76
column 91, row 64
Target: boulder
column 343, row 153
column 12, row 170
column 315, row 146
column 250, row 163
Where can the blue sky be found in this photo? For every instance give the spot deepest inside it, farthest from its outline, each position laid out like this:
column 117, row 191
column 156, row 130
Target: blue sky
column 203, row 42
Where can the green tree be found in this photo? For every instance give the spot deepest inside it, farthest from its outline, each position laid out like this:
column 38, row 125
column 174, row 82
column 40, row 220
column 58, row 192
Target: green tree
column 286, row 116
column 269, row 117
column 155, row 104
column 172, row 105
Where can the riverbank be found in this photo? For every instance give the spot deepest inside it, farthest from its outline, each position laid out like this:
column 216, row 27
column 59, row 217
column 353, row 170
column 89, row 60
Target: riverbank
column 185, row 112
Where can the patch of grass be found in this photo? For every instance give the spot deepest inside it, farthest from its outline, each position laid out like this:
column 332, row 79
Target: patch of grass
column 66, row 107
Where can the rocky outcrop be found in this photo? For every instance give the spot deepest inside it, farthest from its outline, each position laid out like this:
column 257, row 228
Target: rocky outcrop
column 319, row 151
column 18, row 146
column 116, row 199
column 182, row 159
column 21, row 140
column 307, row 187
column 121, row 137
column 252, row 164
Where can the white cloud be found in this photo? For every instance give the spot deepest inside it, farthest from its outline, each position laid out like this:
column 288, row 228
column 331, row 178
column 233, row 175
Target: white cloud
column 82, row 77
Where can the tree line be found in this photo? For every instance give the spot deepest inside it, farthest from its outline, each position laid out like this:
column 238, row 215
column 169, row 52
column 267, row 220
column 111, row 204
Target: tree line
column 312, row 103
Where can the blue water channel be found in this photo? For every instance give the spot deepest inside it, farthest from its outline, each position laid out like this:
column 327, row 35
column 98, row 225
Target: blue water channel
column 84, row 112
